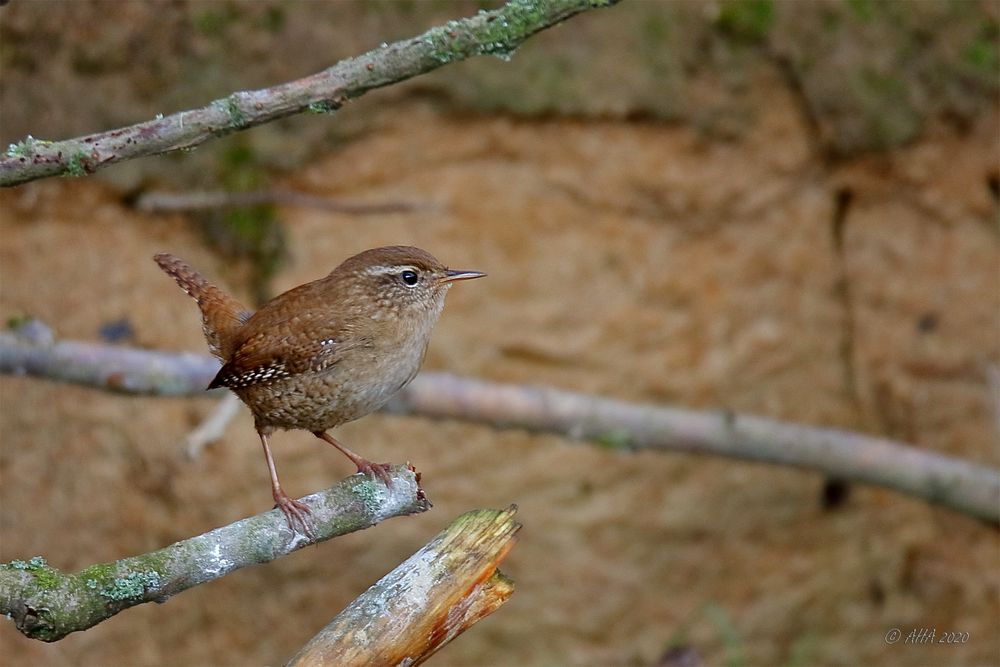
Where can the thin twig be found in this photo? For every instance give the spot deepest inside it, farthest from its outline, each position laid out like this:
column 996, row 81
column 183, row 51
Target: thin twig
column 425, row 602
column 171, row 202
column 960, row 485
column 47, row 604
column 498, row 32
column 213, row 427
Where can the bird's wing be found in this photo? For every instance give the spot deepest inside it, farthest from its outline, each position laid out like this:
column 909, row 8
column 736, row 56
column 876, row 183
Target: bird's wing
column 301, row 344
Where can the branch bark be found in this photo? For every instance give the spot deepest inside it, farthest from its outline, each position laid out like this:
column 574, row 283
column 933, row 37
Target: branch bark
column 428, row 600
column 952, row 482
column 960, row 485
column 498, row 32
column 47, row 604
column 171, row 202
column 34, row 351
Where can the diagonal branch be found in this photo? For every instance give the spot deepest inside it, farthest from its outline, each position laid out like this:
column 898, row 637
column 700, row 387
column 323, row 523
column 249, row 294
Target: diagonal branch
column 960, row 485
column 426, row 601
column 498, row 32
column 213, row 427
column 48, row 604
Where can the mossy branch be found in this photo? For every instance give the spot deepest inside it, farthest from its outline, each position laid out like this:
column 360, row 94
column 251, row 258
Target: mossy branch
column 498, row 32
column 960, row 485
column 47, row 604
column 425, row 602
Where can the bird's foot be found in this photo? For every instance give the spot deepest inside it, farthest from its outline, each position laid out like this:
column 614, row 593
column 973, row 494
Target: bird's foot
column 379, row 471
column 296, row 514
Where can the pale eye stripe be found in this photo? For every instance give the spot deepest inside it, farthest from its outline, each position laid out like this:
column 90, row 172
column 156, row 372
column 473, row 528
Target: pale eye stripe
column 394, row 268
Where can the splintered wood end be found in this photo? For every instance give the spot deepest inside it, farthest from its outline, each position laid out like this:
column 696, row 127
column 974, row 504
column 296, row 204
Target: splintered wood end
column 428, row 600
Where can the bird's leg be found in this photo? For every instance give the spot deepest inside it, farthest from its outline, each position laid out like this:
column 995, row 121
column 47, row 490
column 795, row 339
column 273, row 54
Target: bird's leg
column 377, row 470
column 294, row 511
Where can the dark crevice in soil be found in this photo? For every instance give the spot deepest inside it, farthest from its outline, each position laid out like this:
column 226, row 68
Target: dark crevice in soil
column 796, row 86
column 836, row 491
column 993, row 184
column 841, row 205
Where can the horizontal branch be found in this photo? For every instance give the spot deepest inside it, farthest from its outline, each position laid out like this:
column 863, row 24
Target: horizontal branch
column 498, row 32
column 171, row 202
column 128, row 370
column 952, row 482
column 955, row 483
column 47, row 604
column 425, row 602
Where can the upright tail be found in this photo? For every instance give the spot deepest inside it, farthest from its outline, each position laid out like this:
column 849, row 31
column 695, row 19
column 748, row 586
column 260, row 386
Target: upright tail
column 222, row 316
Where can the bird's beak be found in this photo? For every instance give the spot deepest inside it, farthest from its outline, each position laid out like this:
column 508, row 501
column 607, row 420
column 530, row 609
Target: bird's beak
column 454, row 275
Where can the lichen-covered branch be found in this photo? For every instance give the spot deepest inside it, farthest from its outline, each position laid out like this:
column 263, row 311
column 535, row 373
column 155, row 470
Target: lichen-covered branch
column 961, row 485
column 428, row 600
column 498, row 32
column 47, row 604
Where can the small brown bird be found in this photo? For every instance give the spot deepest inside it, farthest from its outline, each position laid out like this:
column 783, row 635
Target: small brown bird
column 327, row 352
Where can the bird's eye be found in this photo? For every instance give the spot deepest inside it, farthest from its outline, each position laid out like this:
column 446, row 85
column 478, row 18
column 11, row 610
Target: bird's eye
column 409, row 278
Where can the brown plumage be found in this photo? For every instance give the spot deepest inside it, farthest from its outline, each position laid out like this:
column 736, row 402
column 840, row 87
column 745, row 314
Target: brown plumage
column 326, row 352
column 222, row 316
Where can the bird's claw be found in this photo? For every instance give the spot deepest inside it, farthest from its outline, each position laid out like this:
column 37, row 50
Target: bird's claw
column 296, row 515
column 379, row 471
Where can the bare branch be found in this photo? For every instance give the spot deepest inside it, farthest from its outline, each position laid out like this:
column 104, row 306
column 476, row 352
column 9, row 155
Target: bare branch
column 47, row 604
column 498, row 32
column 169, row 202
column 428, row 600
column 213, row 427
column 129, row 370
column 960, row 485
column 955, row 483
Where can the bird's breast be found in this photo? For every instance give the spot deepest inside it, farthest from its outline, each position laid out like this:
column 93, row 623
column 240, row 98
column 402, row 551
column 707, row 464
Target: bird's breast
column 359, row 384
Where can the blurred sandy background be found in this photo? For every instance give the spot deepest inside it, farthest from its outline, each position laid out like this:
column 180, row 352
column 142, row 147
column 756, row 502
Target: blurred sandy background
column 790, row 212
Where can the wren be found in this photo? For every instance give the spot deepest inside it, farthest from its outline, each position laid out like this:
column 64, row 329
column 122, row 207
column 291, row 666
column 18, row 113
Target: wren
column 327, row 352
